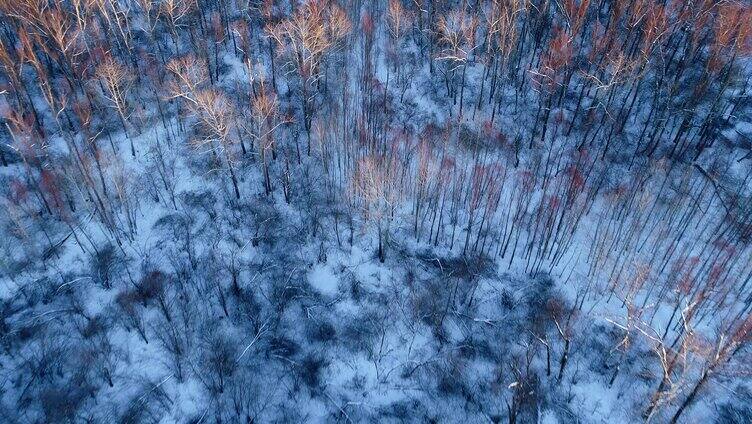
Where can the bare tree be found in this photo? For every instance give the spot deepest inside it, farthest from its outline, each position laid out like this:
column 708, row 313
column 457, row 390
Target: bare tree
column 376, row 184
column 117, row 81
column 306, row 36
column 212, row 109
column 265, row 114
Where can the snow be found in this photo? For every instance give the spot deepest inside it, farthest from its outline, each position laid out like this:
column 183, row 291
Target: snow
column 389, row 343
column 549, row 417
column 323, row 280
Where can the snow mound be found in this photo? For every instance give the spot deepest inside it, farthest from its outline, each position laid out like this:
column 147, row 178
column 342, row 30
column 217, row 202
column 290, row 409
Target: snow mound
column 323, row 280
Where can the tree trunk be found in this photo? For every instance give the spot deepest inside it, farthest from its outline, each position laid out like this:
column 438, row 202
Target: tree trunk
column 564, row 359
column 688, row 401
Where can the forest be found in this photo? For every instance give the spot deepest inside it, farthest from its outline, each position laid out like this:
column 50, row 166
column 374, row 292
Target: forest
column 399, row 211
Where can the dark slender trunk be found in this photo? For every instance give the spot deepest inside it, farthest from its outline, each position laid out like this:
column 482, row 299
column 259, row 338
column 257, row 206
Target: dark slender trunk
column 564, row 359
column 692, row 395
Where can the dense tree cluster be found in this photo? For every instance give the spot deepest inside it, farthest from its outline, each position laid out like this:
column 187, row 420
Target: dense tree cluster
column 537, row 183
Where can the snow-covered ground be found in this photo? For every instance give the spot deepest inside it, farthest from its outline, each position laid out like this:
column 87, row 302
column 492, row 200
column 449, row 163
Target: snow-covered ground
column 561, row 298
